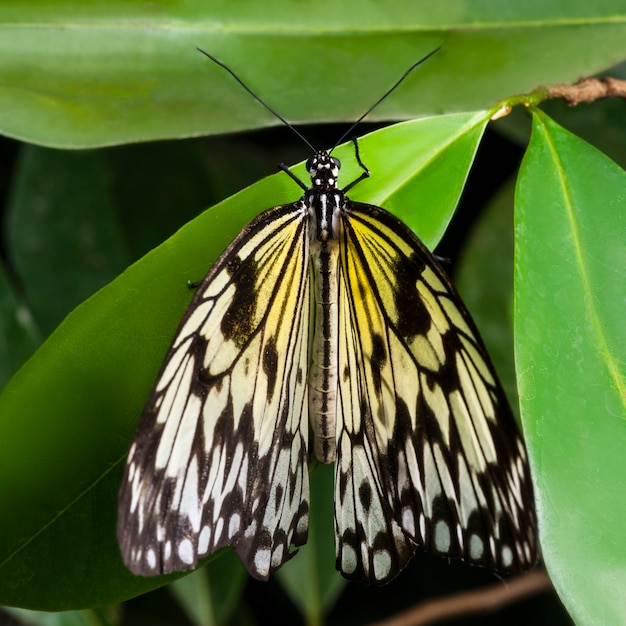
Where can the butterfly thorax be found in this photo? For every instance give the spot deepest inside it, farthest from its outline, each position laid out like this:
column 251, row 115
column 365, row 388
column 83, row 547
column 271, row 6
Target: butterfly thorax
column 323, row 200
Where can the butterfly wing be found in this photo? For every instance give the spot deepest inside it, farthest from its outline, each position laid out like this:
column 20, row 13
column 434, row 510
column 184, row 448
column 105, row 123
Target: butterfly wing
column 220, row 456
column 428, row 450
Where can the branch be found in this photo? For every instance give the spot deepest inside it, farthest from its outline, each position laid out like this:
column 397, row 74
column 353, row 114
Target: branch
column 485, row 600
column 588, row 90
column 585, row 90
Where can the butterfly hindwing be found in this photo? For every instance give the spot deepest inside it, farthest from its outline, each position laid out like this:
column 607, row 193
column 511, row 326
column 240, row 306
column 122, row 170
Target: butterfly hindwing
column 370, row 544
column 429, row 453
column 221, row 453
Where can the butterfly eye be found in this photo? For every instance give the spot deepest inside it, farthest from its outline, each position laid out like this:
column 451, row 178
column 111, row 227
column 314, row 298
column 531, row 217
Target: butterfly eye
column 336, row 162
column 311, row 163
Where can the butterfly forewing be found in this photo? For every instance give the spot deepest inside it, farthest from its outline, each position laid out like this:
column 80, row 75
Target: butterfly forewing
column 424, row 422
column 221, row 453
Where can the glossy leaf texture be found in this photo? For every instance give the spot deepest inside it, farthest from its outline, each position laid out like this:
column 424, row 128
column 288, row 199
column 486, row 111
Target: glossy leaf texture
column 100, row 73
column 68, row 416
column 570, row 228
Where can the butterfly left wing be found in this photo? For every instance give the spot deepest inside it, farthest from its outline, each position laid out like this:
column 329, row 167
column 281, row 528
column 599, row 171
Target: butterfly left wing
column 428, row 450
column 221, row 453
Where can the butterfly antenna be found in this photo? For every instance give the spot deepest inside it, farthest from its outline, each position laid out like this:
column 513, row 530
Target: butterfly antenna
column 391, row 89
column 257, row 98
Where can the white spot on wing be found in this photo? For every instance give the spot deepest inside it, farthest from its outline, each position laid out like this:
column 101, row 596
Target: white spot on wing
column 476, row 547
column 203, row 540
column 442, row 536
column 277, row 555
column 262, row 562
column 151, row 558
column 233, row 526
column 408, row 521
column 507, row 557
column 348, row 559
column 382, row 564
column 185, row 551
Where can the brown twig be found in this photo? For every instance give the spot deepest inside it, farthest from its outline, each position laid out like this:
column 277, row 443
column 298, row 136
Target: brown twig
column 485, row 600
column 585, row 90
column 588, row 90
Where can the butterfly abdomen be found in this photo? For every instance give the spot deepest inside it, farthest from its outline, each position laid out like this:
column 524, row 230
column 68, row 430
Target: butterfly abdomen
column 323, row 374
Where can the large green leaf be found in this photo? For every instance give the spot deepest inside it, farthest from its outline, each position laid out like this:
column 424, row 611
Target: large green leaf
column 570, row 348
column 96, row 73
column 68, row 415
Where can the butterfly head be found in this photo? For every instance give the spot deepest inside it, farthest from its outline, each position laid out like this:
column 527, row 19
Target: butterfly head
column 323, row 170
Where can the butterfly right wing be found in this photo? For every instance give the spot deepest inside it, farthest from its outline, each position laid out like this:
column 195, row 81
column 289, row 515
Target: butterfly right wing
column 221, row 453
column 428, row 450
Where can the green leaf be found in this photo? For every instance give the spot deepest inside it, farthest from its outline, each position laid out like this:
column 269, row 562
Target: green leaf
column 63, row 234
column 100, row 617
column 570, row 343
column 194, row 596
column 68, row 416
column 97, row 73
column 210, row 595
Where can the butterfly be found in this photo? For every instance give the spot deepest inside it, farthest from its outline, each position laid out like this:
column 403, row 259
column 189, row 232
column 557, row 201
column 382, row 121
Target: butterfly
column 394, row 385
